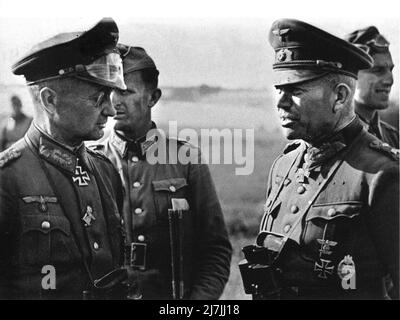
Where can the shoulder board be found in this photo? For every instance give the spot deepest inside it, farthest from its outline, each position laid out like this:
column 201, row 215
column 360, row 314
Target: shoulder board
column 8, row 156
column 292, row 146
column 96, row 147
column 182, row 142
column 385, row 149
column 97, row 151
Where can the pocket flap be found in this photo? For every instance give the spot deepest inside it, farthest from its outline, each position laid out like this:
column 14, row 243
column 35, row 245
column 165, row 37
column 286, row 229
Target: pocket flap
column 45, row 224
column 170, row 185
column 329, row 211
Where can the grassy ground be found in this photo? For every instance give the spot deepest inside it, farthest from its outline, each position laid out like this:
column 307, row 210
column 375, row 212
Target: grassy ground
column 242, row 199
column 234, row 288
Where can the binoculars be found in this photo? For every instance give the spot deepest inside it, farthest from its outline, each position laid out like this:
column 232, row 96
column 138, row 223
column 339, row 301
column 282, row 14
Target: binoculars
column 261, row 277
column 260, row 270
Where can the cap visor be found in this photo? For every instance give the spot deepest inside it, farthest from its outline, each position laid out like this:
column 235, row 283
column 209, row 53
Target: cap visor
column 285, row 76
column 111, row 84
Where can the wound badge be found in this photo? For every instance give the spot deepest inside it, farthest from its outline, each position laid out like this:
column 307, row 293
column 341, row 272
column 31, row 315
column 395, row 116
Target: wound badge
column 346, row 268
column 88, row 217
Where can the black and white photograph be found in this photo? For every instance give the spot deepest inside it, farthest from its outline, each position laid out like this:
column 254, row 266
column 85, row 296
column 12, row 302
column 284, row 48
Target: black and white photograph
column 199, row 150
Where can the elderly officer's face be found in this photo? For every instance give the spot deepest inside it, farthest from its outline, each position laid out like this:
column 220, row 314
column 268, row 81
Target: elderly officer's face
column 305, row 110
column 373, row 85
column 133, row 106
column 82, row 110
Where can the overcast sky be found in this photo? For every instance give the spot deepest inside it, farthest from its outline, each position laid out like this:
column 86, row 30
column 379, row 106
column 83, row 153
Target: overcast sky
column 220, row 43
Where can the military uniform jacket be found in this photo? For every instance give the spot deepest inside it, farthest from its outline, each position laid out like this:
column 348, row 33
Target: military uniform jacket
column 382, row 130
column 57, row 208
column 348, row 217
column 149, row 190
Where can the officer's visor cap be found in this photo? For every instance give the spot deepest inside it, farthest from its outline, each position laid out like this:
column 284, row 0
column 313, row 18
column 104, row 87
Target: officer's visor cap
column 106, row 70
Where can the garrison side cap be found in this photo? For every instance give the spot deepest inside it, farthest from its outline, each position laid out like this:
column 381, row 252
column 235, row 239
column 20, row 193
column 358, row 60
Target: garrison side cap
column 369, row 39
column 135, row 58
column 60, row 55
column 304, row 52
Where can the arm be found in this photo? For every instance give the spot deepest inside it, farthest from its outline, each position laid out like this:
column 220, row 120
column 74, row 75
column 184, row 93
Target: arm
column 7, row 207
column 2, row 137
column 384, row 220
column 213, row 246
column 118, row 196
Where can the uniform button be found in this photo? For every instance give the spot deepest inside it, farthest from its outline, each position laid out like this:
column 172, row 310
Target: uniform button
column 287, row 228
column 96, row 246
column 138, row 211
column 135, row 159
column 331, row 212
column 172, row 188
column 136, row 184
column 122, row 222
column 141, row 238
column 294, row 209
column 45, row 225
column 301, row 189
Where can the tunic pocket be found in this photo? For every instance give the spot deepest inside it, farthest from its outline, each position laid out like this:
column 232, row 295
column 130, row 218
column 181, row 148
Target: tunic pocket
column 330, row 211
column 330, row 220
column 164, row 191
column 45, row 239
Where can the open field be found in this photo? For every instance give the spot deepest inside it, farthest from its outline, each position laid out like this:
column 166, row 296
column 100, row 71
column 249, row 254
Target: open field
column 242, row 199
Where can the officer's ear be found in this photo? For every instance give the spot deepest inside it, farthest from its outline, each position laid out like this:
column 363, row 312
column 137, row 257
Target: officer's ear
column 342, row 96
column 155, row 96
column 48, row 99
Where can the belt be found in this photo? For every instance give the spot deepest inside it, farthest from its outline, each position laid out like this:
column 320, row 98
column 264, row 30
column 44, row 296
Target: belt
column 136, row 255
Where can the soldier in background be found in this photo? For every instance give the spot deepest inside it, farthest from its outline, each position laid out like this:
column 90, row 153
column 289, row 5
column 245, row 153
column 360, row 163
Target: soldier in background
column 16, row 126
column 331, row 223
column 175, row 227
column 60, row 226
column 374, row 84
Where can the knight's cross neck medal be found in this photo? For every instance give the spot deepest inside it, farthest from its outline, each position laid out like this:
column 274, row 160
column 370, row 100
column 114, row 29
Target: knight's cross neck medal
column 81, row 177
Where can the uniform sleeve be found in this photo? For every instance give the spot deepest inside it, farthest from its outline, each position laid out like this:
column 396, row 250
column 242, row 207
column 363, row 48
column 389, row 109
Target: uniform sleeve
column 213, row 247
column 390, row 135
column 117, row 184
column 7, row 208
column 2, row 137
column 119, row 199
column 271, row 175
column 384, row 220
